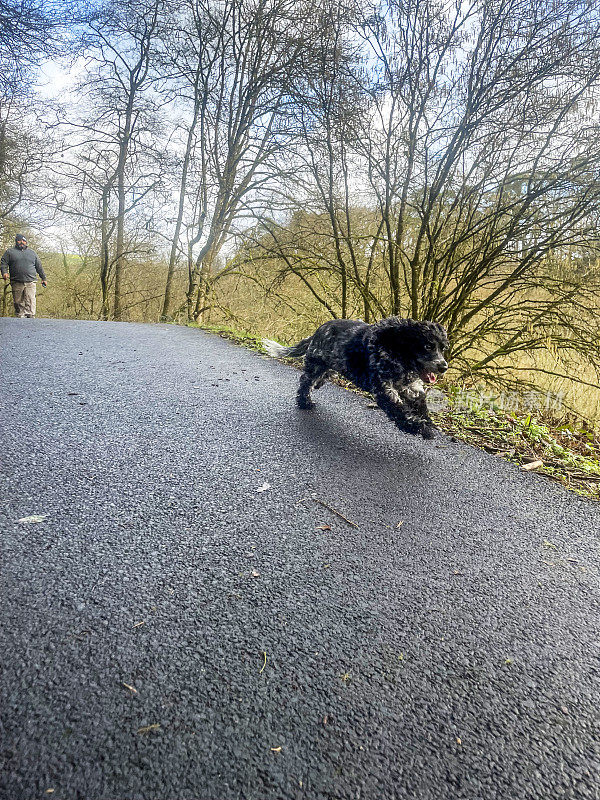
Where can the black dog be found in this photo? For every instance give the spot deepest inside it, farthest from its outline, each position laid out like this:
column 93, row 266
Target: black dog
column 395, row 360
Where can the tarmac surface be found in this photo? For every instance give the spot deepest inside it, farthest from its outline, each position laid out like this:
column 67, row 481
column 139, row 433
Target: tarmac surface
column 193, row 618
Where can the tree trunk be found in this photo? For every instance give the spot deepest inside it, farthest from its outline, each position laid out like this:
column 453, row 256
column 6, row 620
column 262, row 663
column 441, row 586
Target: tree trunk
column 204, row 287
column 166, row 308
column 119, row 251
column 104, row 256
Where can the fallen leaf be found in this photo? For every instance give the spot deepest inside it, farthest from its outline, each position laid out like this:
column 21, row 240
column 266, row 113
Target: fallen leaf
column 264, row 664
column 276, row 749
column 131, row 689
column 564, row 709
column 264, row 487
column 400, row 524
column 34, row 518
column 137, row 624
column 324, row 527
column 532, row 465
column 458, row 740
column 255, row 574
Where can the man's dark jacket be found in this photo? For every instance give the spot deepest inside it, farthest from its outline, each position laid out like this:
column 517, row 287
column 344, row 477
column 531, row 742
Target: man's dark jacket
column 22, row 265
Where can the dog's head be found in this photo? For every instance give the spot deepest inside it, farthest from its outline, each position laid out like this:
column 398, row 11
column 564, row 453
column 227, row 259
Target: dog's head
column 417, row 346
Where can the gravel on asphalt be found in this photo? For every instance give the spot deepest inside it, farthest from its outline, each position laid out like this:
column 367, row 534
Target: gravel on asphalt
column 171, row 632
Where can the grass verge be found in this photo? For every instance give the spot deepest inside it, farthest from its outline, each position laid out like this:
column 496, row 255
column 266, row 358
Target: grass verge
column 565, row 451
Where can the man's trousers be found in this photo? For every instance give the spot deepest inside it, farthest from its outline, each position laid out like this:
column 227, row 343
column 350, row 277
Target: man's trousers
column 24, row 298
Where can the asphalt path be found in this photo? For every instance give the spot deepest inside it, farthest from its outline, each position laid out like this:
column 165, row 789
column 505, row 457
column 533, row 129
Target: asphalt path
column 171, row 632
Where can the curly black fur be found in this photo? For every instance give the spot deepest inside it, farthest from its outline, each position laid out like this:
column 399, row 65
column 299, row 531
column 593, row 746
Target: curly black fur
column 394, row 359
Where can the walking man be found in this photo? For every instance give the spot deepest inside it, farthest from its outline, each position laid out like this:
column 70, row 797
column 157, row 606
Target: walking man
column 21, row 265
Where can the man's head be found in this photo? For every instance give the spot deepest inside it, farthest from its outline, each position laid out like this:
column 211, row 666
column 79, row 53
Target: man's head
column 20, row 241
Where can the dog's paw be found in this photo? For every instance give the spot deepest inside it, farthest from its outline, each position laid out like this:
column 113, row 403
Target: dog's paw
column 305, row 405
column 428, row 432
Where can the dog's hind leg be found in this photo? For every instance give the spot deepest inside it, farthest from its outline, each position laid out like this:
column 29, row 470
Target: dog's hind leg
column 323, row 379
column 314, row 376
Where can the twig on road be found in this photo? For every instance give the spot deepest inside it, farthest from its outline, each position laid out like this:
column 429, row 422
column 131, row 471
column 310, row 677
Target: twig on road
column 325, row 505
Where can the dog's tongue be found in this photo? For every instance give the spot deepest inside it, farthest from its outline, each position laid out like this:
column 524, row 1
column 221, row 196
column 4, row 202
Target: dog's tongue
column 429, row 377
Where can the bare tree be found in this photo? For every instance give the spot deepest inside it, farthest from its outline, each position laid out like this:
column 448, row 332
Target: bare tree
column 235, row 61
column 30, row 32
column 189, row 54
column 115, row 155
column 324, row 245
column 22, row 153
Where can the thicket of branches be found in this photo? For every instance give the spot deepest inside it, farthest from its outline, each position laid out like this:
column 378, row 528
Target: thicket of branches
column 426, row 158
column 449, row 159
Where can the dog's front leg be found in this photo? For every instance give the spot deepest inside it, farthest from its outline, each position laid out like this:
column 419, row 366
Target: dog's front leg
column 408, row 414
column 418, row 406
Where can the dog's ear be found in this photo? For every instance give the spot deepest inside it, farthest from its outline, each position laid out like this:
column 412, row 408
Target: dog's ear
column 443, row 334
column 399, row 340
column 439, row 331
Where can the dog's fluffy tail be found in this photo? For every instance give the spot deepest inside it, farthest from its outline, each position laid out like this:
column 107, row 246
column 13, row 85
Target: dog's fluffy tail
column 279, row 351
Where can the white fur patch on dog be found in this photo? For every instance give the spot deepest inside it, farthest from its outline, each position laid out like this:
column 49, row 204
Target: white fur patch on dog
column 392, row 393
column 415, row 388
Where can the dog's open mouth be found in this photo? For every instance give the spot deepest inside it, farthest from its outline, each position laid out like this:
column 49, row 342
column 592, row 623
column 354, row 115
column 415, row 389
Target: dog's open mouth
column 428, row 377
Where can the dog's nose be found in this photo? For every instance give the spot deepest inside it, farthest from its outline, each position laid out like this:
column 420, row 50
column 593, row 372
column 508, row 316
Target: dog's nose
column 443, row 366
